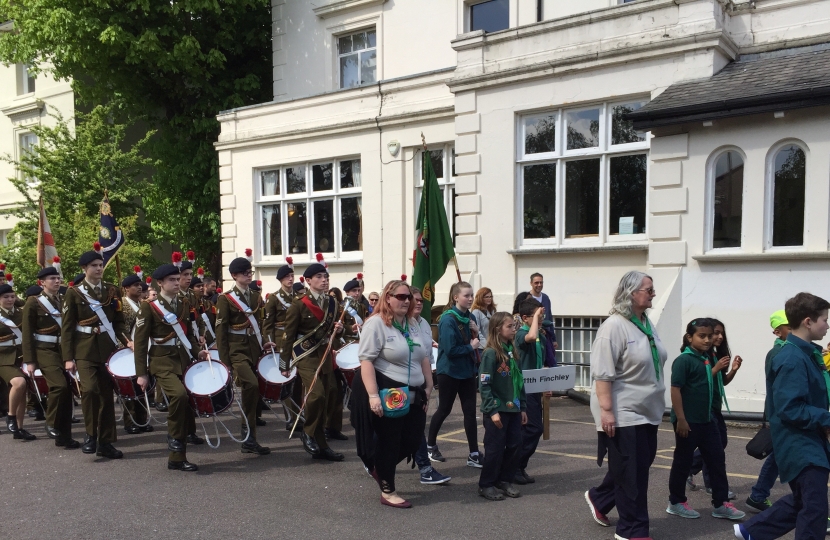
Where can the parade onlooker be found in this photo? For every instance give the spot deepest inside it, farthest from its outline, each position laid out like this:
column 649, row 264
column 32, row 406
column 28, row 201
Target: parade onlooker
column 373, row 301
column 483, row 308
column 393, row 355
column 694, row 388
column 627, row 402
column 537, row 282
column 759, row 498
column 210, row 289
column 456, row 369
column 503, row 406
column 798, row 399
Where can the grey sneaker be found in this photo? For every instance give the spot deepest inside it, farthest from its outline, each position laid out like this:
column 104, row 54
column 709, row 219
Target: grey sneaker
column 475, row 460
column 690, row 482
column 683, row 510
column 728, row 511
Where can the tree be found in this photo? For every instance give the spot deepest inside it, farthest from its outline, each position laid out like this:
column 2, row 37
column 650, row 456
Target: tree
column 175, row 65
column 71, row 169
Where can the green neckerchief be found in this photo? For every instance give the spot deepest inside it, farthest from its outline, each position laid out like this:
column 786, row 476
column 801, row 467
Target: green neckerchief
column 720, row 384
column 689, row 350
column 515, row 375
column 461, row 318
column 816, row 356
column 405, row 331
column 540, row 356
column 646, row 329
column 780, row 342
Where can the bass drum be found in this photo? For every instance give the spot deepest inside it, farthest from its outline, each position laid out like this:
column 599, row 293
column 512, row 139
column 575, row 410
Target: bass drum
column 209, row 387
column 271, row 380
column 348, row 362
column 121, row 366
column 37, row 382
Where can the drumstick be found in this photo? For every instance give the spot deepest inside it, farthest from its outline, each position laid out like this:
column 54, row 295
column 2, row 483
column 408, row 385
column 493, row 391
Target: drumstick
column 210, row 362
column 274, row 353
column 316, row 373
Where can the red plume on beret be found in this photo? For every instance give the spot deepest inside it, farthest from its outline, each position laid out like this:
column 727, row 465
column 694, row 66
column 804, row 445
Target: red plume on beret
column 321, row 260
column 71, row 283
column 249, row 254
column 191, row 256
column 302, row 279
column 218, row 290
column 138, row 272
column 403, row 277
column 259, row 283
column 149, row 280
column 2, row 267
column 96, row 247
column 10, row 279
column 177, row 258
column 56, row 263
column 200, row 272
column 290, row 262
column 359, row 276
column 56, row 259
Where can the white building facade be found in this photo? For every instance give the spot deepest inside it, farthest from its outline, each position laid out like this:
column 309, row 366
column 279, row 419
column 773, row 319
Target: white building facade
column 523, row 105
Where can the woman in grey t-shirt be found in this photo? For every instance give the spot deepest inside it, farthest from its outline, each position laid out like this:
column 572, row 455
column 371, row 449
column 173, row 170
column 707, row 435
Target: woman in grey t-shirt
column 394, row 352
column 627, row 401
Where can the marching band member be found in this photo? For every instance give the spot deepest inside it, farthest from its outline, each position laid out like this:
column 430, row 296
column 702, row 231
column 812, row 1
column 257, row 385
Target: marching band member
column 164, row 346
column 135, row 416
column 11, row 358
column 309, row 323
column 42, row 350
column 240, row 343
column 91, row 330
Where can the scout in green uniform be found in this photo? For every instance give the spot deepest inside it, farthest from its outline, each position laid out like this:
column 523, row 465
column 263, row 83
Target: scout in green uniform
column 164, row 346
column 135, row 415
column 309, row 323
column 240, row 343
column 11, row 358
column 91, row 330
column 42, row 349
column 273, row 327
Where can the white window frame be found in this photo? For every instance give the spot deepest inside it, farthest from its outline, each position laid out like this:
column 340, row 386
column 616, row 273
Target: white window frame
column 23, row 73
column 566, row 346
column 560, row 156
column 308, row 197
column 769, row 196
column 339, row 55
column 22, row 148
column 447, row 183
column 709, row 225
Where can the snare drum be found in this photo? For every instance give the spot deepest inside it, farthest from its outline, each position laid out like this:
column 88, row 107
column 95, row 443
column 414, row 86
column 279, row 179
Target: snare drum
column 121, row 365
column 271, row 381
column 348, row 361
column 209, row 387
column 37, row 382
column 214, row 355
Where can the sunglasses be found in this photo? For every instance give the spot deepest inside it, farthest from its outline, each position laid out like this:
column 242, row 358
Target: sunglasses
column 402, row 297
column 419, row 300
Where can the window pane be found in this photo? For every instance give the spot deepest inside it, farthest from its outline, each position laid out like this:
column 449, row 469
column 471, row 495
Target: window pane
column 788, row 202
column 437, row 157
column 295, row 179
column 297, row 227
column 350, row 174
column 344, row 44
column 540, row 201
column 324, row 226
column 321, row 177
column 729, row 189
column 271, row 230
column 583, row 129
column 371, row 38
column 622, row 131
column 490, row 16
column 582, row 198
column 628, row 193
column 368, row 67
column 540, row 134
column 350, row 212
column 270, row 183
column 359, row 41
column 348, row 71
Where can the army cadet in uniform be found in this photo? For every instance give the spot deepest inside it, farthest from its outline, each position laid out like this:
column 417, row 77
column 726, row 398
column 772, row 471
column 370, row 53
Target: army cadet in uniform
column 198, row 326
column 205, row 310
column 11, row 358
column 309, row 323
column 135, row 415
column 164, row 346
column 240, row 343
column 92, row 329
column 42, row 349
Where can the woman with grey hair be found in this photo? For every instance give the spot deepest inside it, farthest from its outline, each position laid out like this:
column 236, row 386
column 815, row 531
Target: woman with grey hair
column 627, row 402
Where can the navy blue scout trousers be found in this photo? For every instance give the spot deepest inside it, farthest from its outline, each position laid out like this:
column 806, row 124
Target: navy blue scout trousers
column 501, row 449
column 532, row 431
column 706, row 437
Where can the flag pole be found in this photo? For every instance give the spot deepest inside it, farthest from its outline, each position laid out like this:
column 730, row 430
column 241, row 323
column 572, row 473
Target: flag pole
column 118, row 268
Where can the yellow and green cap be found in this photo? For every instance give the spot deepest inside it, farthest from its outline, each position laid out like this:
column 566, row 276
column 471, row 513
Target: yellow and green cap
column 777, row 319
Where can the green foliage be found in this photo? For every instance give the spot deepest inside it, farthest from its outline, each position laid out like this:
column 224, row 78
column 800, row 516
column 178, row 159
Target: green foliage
column 176, row 65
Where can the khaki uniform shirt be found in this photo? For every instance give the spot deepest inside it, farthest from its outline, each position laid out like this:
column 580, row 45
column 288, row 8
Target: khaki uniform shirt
column 95, row 347
column 38, row 321
column 238, row 347
column 11, row 356
column 151, row 329
column 275, row 312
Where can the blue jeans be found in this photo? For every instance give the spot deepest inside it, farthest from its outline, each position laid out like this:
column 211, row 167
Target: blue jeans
column 766, row 479
column 422, row 458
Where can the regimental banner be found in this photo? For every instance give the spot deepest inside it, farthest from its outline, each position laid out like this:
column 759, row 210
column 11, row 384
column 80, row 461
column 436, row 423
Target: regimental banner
column 110, row 236
column 557, row 379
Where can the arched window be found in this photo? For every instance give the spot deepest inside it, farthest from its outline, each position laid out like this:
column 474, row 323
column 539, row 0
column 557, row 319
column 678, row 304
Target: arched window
column 790, row 170
column 727, row 200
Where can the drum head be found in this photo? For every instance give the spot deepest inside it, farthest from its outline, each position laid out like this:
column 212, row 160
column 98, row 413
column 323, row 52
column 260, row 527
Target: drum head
column 214, row 355
column 268, row 368
column 347, row 357
column 122, row 363
column 198, row 378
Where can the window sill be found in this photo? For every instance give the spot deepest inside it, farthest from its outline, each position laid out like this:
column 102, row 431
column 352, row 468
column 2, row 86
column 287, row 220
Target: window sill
column 306, row 262
column 541, row 250
column 765, row 256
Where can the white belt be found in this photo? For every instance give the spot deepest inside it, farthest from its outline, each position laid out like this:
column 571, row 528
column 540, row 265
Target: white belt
column 88, row 329
column 12, row 344
column 47, row 339
column 172, row 342
column 245, row 332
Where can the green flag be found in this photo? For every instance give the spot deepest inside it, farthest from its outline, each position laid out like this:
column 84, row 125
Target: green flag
column 433, row 244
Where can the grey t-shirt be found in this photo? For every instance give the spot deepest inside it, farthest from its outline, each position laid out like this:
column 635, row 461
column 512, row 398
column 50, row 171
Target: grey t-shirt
column 388, row 351
column 483, row 320
column 621, row 354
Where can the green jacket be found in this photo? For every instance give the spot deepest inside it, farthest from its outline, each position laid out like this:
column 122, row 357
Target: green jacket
column 95, row 347
column 496, row 386
column 151, row 329
column 11, row 356
column 36, row 320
